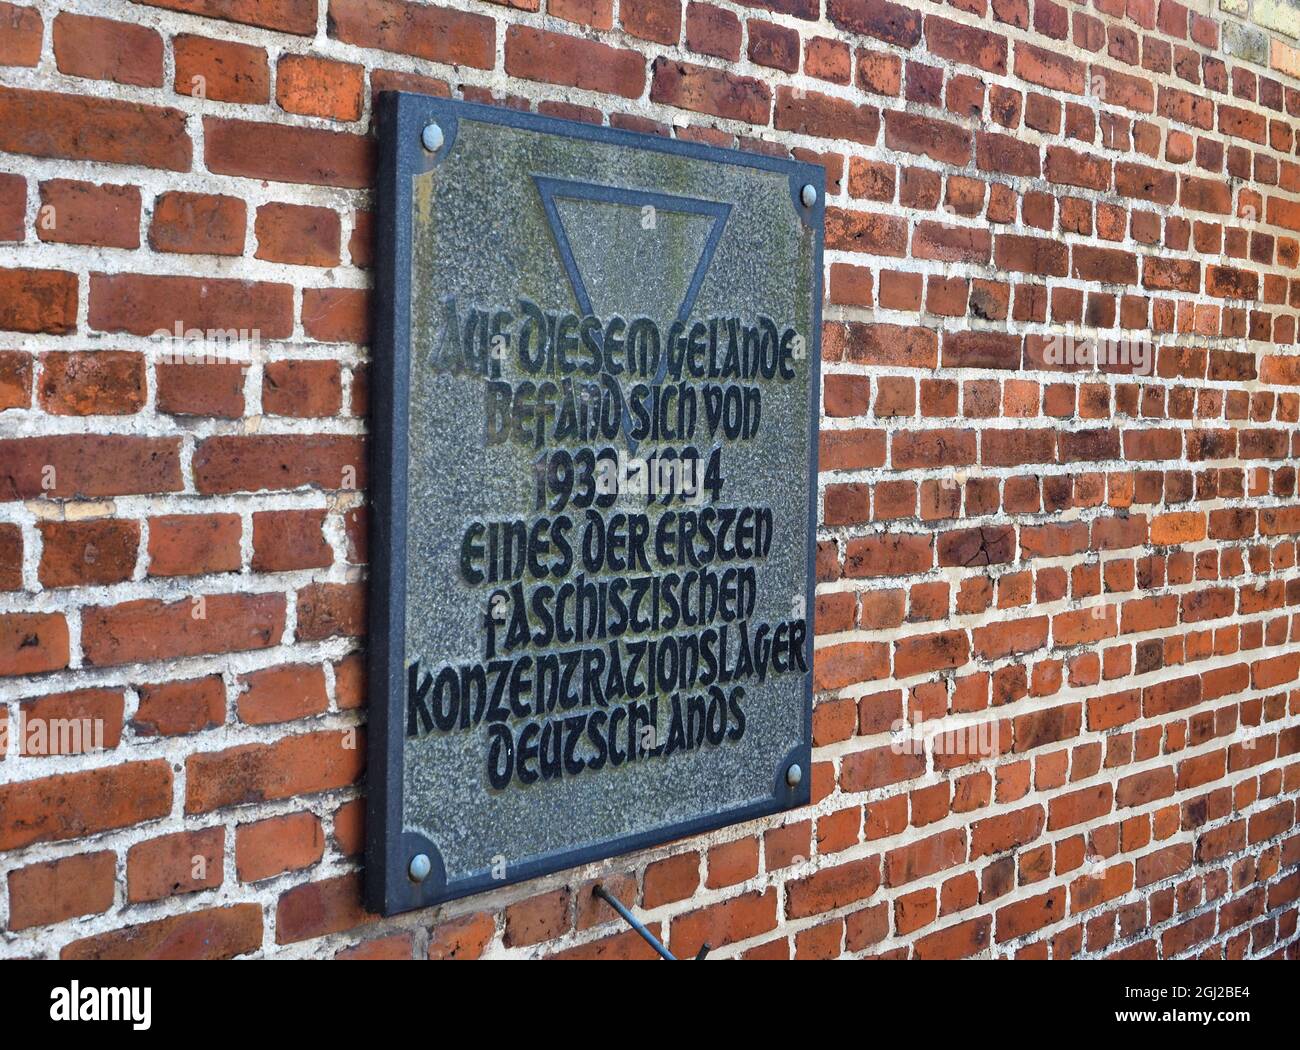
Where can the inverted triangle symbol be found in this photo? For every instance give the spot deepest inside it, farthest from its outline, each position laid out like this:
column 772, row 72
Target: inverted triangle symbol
column 551, row 189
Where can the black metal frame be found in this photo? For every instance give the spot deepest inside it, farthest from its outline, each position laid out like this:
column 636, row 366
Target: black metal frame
column 389, row 847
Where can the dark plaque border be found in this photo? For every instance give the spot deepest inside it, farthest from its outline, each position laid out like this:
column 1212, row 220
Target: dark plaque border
column 389, row 846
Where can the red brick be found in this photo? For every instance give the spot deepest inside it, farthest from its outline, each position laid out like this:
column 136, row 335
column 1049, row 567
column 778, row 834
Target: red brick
column 278, row 462
column 21, row 31
column 80, row 722
column 1171, row 274
column 213, row 933
column 305, row 389
column 178, row 708
column 146, row 305
column 11, row 557
column 925, row 857
column 656, row 20
column 729, row 921
column 150, row 629
column 1068, row 168
column 937, row 139
column 32, row 643
column 832, row 888
column 74, row 212
column 73, row 805
column 280, row 153
column 707, row 90
column 1077, row 807
column 773, row 46
column 320, row 87
column 45, row 894
column 1049, row 69
column 1006, row 832
column 282, row 694
column 198, row 224
column 712, row 31
column 463, row 938
column 38, row 301
column 101, row 49
column 71, row 127
column 92, row 383
column 434, row 33
column 192, row 388
column 185, row 862
column 290, row 539
column 732, row 863
column 672, row 879
column 319, row 908
column 194, row 544
column 295, row 765
column 1006, row 154
column 336, row 315
column 289, row 16
column 592, row 911
column 393, row 947
column 812, row 113
column 959, row 941
column 1029, row 915
column 331, row 610
column 932, row 240
column 973, row 47
column 13, row 217
column 220, row 70
column 80, row 553
column 296, row 234
column 540, row 918
column 838, row 666
column 554, row 58
column 270, row 847
column 890, row 22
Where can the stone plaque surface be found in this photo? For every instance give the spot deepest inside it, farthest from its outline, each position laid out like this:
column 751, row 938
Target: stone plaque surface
column 595, row 404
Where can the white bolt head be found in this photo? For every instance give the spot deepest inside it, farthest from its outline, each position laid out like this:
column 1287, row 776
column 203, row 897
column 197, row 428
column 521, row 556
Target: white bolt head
column 808, row 195
column 432, row 138
column 420, row 867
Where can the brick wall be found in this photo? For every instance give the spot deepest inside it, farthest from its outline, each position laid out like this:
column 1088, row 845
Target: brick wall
column 1092, row 569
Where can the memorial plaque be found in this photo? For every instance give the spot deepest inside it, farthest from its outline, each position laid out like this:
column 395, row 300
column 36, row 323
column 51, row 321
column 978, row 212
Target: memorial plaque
column 595, row 410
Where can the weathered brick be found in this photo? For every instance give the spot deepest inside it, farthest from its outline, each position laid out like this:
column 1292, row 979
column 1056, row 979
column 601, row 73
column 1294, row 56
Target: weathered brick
column 49, row 893
column 149, row 629
column 212, row 933
column 434, row 33
column 220, row 70
column 280, row 153
column 198, row 224
column 87, row 466
column 184, row 862
column 707, row 90
column 266, row 848
column 102, row 49
column 146, row 305
column 73, row 805
column 38, row 301
column 92, row 383
column 79, row 553
column 75, row 212
column 295, row 765
column 72, row 127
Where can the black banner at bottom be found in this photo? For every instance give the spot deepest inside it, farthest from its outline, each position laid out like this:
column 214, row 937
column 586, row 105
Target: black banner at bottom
column 151, row 1000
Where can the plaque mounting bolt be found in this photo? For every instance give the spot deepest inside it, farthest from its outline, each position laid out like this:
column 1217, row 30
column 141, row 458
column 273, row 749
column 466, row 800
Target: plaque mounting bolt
column 420, row 867
column 794, row 775
column 808, row 195
column 432, row 138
